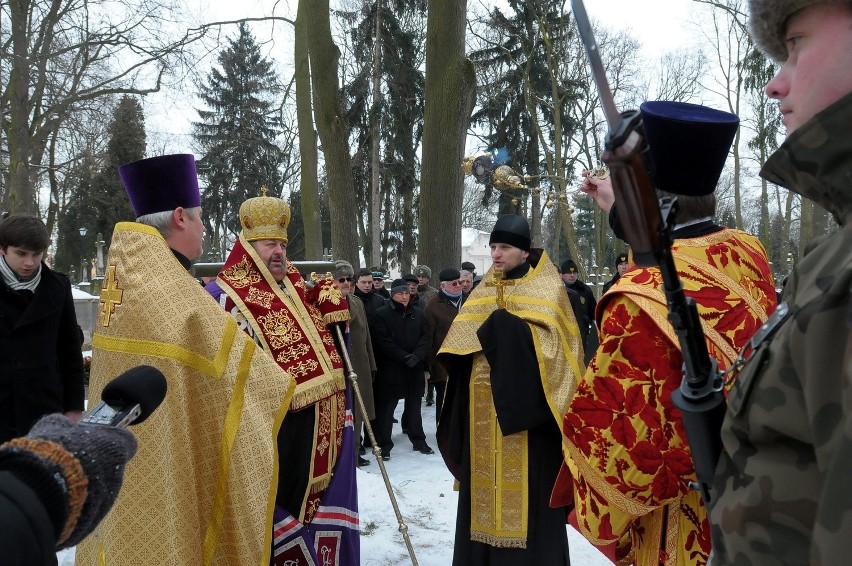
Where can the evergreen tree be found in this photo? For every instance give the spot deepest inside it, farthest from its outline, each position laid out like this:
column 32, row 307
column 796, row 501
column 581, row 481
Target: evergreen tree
column 126, row 144
column 512, row 57
column 237, row 135
column 99, row 199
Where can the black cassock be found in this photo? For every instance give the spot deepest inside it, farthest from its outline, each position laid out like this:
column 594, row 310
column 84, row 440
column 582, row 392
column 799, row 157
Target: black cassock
column 520, row 405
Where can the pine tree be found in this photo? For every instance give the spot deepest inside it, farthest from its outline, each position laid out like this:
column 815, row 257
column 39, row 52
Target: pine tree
column 99, row 199
column 237, row 134
column 126, row 144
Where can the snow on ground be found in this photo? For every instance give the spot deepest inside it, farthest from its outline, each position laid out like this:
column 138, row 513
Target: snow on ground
column 424, row 492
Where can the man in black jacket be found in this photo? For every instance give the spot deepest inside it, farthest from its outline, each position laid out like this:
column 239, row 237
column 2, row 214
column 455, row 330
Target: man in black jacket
column 41, row 363
column 400, row 344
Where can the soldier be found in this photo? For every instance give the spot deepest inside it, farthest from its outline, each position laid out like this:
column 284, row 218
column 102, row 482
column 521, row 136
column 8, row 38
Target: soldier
column 782, row 493
column 621, row 266
column 424, row 290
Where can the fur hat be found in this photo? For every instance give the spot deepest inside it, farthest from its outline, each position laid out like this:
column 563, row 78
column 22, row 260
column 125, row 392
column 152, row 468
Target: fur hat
column 423, row 271
column 768, row 19
column 342, row 268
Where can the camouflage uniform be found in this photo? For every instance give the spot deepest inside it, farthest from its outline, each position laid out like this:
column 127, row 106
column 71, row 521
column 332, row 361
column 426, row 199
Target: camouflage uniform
column 782, row 492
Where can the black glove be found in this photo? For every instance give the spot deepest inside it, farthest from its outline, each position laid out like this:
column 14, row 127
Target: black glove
column 411, row 361
column 75, row 470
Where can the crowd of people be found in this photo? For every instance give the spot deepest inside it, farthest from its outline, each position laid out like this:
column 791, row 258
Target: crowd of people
column 552, row 404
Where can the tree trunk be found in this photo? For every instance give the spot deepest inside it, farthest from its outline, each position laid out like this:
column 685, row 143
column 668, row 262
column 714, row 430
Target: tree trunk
column 307, row 137
column 20, row 196
column 450, row 94
column 374, row 235
column 332, row 131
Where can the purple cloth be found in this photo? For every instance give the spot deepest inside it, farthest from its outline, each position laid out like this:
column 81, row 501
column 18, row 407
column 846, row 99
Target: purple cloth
column 332, row 538
column 161, row 183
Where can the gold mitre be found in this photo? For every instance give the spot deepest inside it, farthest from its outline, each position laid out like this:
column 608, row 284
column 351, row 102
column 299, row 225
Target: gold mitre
column 264, row 218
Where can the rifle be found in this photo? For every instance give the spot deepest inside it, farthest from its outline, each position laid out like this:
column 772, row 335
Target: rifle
column 648, row 224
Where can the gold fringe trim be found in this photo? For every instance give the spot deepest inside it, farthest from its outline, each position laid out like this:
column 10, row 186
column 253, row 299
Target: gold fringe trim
column 318, row 388
column 498, row 542
column 320, row 485
column 336, row 316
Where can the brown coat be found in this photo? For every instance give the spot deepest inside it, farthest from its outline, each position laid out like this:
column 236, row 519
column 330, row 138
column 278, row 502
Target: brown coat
column 439, row 315
column 361, row 354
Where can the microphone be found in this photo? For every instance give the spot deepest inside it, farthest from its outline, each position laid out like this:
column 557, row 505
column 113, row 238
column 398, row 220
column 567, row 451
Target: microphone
column 74, row 470
column 129, row 398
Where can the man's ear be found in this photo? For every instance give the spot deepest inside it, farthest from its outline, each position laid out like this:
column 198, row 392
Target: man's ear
column 179, row 218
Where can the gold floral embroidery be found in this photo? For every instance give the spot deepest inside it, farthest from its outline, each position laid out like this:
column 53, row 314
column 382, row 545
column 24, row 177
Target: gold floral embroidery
column 303, row 368
column 260, row 297
column 323, row 445
column 292, row 354
column 279, row 329
column 241, row 274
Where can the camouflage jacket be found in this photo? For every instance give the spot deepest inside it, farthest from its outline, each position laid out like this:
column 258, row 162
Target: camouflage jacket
column 783, row 492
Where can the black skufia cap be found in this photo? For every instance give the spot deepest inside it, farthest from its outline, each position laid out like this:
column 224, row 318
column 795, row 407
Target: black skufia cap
column 511, row 229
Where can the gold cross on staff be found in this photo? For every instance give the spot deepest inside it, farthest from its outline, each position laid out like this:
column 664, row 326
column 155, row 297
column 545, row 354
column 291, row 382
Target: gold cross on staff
column 111, row 295
column 498, row 279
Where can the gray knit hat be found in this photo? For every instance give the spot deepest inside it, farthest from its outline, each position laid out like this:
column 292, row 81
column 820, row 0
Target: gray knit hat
column 768, row 19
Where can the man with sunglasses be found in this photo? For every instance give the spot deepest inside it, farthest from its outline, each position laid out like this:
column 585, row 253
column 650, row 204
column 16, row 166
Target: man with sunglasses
column 440, row 312
column 360, row 350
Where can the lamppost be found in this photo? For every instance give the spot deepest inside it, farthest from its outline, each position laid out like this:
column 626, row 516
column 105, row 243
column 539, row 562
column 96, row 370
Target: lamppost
column 83, row 231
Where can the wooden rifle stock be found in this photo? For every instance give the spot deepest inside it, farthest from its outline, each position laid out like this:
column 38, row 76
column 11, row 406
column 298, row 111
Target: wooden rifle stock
column 628, row 158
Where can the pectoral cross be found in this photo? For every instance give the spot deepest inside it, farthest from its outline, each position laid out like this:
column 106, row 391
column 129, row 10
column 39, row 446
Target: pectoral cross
column 498, row 279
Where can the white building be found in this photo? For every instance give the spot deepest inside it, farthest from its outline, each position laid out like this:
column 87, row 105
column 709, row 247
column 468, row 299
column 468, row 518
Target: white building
column 475, row 249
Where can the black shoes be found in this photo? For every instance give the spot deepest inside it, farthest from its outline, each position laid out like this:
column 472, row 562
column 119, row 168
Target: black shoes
column 362, row 451
column 386, row 457
column 423, row 448
column 430, row 400
column 363, row 462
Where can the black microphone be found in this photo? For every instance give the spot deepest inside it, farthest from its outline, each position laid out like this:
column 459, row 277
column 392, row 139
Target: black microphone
column 129, row 398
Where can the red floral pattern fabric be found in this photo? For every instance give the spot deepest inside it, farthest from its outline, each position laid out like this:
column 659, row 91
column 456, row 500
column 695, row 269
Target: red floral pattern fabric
column 631, row 462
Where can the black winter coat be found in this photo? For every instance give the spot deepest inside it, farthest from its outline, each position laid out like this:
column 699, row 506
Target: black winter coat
column 398, row 333
column 41, row 363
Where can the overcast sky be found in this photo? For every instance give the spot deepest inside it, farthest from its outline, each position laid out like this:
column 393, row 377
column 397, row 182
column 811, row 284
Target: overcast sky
column 659, row 25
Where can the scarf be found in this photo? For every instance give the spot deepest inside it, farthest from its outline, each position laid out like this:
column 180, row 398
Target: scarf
column 17, row 283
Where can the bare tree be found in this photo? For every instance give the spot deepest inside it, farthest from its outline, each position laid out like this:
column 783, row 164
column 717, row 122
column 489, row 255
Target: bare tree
column 450, row 96
column 333, row 132
column 308, row 186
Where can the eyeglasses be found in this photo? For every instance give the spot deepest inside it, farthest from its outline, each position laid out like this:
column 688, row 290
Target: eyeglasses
column 453, row 283
column 342, row 279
